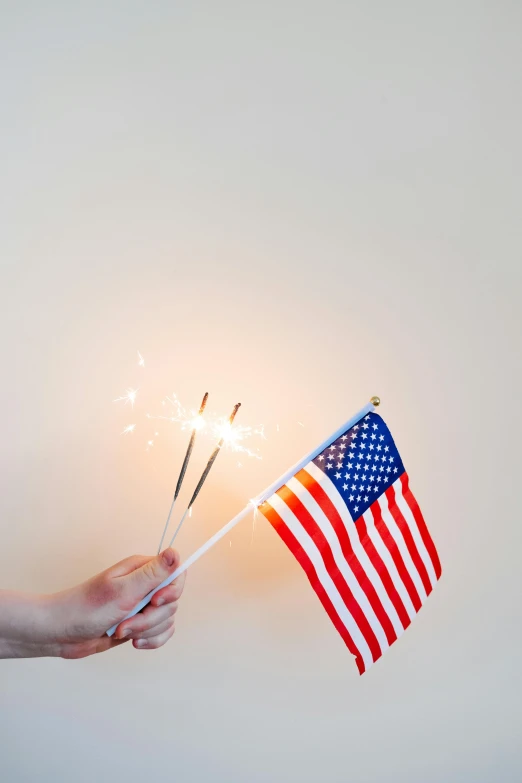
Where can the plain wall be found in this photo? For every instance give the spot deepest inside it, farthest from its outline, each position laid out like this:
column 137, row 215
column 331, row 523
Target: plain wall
column 294, row 205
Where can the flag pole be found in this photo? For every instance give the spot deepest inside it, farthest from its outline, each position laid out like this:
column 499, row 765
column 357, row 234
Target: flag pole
column 252, row 505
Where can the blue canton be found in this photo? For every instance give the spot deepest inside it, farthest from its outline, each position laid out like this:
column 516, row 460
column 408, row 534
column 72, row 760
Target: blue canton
column 362, row 463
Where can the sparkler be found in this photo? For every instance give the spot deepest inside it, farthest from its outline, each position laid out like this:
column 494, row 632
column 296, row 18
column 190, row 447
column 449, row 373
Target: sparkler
column 129, row 396
column 196, row 425
column 226, row 434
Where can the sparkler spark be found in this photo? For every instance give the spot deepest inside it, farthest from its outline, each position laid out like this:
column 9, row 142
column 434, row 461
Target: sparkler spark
column 216, row 426
column 141, row 360
column 129, row 396
column 128, row 430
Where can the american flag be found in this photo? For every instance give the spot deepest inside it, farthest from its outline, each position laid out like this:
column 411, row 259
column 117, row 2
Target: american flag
column 352, row 522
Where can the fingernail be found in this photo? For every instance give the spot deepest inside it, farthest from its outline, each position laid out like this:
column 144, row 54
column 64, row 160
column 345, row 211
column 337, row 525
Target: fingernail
column 126, row 632
column 141, row 643
column 160, row 602
column 169, row 557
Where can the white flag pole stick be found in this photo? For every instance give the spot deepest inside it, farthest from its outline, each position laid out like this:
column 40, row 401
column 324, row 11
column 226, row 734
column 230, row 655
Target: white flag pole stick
column 251, row 506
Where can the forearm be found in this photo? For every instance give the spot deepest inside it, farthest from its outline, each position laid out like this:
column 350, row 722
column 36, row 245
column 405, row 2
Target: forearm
column 26, row 626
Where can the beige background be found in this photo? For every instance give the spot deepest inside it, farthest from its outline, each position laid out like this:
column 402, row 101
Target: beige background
column 296, row 205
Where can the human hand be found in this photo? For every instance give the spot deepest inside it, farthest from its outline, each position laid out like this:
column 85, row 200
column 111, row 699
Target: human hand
column 72, row 624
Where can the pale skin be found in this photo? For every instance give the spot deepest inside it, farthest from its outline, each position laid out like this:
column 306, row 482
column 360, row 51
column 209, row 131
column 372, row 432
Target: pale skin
column 72, row 623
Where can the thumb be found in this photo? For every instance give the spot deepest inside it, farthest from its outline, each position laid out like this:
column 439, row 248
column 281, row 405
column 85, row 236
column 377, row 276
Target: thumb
column 144, row 579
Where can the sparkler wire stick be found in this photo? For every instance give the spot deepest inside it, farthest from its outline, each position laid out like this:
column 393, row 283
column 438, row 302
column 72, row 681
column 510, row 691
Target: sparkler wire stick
column 204, row 475
column 183, row 471
column 252, row 505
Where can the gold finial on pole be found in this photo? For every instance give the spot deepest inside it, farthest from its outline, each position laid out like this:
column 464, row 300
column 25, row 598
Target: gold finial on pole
column 375, row 401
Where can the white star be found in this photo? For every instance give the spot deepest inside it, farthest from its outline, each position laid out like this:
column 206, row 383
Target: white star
column 381, row 469
column 356, row 477
column 376, row 458
column 367, row 417
column 347, row 476
column 371, row 447
column 321, row 458
column 376, row 488
column 379, row 478
column 361, row 488
column 363, row 445
column 395, row 470
column 388, row 469
column 356, row 508
column 373, row 436
column 374, row 467
column 350, row 465
column 390, row 459
column 358, row 498
column 342, row 446
column 337, row 475
column 366, row 498
column 386, row 478
column 352, row 445
column 364, row 435
column 345, row 487
column 375, row 427
column 353, row 487
column 379, row 448
column 386, row 448
column 332, row 448
column 339, row 465
column 354, row 436
column 344, row 437
column 381, row 437
column 356, row 427
column 329, row 466
column 364, row 476
column 365, row 426
column 350, row 498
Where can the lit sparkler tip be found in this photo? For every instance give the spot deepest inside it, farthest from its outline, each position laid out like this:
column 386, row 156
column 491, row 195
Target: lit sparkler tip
column 203, row 403
column 233, row 414
column 129, row 429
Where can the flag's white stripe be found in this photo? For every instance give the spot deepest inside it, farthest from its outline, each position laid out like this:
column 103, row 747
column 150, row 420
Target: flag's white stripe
column 412, row 524
column 313, row 553
column 315, row 510
column 397, row 536
column 384, row 552
column 360, row 552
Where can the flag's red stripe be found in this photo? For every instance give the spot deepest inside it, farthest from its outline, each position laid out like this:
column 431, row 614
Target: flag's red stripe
column 403, row 526
column 383, row 572
column 319, row 540
column 293, row 545
column 328, row 508
column 421, row 524
column 389, row 542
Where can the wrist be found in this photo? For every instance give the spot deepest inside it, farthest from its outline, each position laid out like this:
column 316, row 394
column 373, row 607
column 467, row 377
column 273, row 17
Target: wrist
column 27, row 626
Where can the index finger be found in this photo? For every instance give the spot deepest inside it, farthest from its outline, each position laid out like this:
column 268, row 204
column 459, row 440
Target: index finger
column 169, row 593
